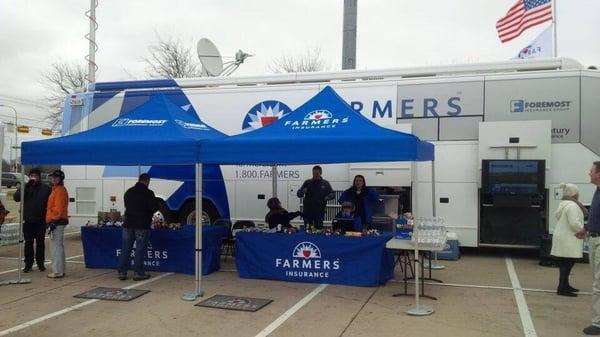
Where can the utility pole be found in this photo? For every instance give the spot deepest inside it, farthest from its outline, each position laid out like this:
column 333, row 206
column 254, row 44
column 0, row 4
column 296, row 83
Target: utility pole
column 349, row 39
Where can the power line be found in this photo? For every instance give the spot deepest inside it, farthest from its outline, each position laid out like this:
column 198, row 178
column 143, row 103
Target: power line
column 25, row 118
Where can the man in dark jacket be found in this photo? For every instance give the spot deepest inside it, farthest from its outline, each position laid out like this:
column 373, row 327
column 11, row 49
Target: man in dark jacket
column 34, row 214
column 316, row 192
column 140, row 205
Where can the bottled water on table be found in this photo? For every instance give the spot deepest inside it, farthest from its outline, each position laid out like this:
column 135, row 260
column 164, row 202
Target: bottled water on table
column 431, row 231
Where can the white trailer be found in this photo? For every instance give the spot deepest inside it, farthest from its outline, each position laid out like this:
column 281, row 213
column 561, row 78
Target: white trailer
column 468, row 111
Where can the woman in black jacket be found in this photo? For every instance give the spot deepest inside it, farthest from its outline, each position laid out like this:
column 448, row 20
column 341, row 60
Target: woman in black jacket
column 278, row 215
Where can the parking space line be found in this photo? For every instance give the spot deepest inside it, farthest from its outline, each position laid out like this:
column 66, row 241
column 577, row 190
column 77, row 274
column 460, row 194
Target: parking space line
column 73, row 307
column 291, row 311
column 526, row 320
column 46, row 262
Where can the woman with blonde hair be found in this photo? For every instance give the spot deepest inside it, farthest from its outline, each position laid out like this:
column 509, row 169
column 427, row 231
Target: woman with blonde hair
column 566, row 247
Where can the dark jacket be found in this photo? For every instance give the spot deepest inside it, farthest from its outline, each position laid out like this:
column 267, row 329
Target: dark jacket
column 280, row 217
column 363, row 202
column 140, row 205
column 318, row 191
column 36, row 201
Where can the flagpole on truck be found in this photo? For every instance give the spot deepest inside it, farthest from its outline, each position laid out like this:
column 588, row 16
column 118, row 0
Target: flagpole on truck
column 554, row 28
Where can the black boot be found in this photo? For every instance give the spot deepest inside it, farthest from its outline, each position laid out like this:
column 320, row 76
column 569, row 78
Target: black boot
column 566, row 293
column 27, row 269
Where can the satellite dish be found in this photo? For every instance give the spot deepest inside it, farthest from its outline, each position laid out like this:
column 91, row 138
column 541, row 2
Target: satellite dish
column 212, row 63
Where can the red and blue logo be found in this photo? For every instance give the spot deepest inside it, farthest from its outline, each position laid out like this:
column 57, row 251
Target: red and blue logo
column 264, row 113
column 318, row 115
column 307, row 250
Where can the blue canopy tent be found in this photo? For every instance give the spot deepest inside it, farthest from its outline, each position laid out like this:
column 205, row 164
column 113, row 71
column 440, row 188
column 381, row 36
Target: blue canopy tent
column 156, row 133
column 323, row 130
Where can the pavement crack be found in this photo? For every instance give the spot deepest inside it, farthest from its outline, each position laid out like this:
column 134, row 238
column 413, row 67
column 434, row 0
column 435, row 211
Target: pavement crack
column 358, row 312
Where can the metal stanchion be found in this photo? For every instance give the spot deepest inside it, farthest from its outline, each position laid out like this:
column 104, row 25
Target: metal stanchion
column 419, row 309
column 19, row 279
column 434, row 265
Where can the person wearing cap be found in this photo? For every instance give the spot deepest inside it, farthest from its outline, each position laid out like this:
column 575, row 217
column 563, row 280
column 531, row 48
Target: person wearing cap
column 362, row 197
column 566, row 247
column 140, row 206
column 57, row 219
column 348, row 213
column 34, row 222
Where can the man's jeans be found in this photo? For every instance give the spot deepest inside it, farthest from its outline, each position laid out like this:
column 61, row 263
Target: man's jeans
column 140, row 237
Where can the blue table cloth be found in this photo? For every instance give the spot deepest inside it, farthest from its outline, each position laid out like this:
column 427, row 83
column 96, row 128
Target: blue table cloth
column 168, row 250
column 300, row 257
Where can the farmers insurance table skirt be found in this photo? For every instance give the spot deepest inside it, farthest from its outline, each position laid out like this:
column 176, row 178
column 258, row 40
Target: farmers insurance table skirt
column 168, row 250
column 354, row 261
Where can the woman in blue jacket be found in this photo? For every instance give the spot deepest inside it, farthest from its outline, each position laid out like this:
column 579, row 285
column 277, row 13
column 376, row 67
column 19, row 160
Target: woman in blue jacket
column 362, row 197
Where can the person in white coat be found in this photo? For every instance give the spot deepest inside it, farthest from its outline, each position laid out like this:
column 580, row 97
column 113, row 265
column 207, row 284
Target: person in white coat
column 566, row 247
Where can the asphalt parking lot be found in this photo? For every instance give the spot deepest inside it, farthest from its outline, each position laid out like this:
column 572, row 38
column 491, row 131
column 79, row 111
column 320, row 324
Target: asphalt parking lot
column 478, row 298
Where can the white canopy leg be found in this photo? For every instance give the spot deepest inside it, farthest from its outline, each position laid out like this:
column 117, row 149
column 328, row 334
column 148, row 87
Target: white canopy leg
column 193, row 295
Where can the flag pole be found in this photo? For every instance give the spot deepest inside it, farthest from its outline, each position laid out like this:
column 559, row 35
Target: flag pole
column 554, row 27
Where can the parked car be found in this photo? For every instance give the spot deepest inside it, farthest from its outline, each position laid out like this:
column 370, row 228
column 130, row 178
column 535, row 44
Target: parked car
column 11, row 179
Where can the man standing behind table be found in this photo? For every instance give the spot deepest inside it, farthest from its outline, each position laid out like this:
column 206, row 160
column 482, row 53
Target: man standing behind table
column 34, row 216
column 140, row 206
column 593, row 230
column 316, row 192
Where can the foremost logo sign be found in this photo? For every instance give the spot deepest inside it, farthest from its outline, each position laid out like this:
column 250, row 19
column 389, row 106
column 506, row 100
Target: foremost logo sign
column 307, row 262
column 317, row 119
column 538, row 106
column 192, row 126
column 138, row 122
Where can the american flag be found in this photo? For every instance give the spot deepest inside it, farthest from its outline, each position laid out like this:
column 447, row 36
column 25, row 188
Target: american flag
column 522, row 15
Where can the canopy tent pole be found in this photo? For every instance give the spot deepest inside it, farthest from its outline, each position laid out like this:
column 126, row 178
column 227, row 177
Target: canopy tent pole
column 274, row 180
column 193, row 295
column 19, row 279
column 435, row 265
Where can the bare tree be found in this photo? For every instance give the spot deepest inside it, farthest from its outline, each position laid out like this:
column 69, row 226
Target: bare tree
column 311, row 60
column 169, row 58
column 61, row 80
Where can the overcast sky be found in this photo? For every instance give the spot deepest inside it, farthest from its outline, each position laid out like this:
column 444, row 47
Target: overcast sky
column 391, row 33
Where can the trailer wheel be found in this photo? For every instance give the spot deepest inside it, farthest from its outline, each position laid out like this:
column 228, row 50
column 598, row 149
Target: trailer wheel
column 187, row 214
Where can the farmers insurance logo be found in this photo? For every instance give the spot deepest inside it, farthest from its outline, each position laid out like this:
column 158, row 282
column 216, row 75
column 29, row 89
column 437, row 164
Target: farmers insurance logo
column 538, row 106
column 307, row 262
column 263, row 114
column 153, row 257
column 138, row 122
column 317, row 119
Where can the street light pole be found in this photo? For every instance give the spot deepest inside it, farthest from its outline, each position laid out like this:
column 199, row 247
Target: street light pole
column 16, row 133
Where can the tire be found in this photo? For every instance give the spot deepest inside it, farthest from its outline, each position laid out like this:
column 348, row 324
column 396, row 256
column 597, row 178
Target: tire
column 187, row 212
column 18, row 185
